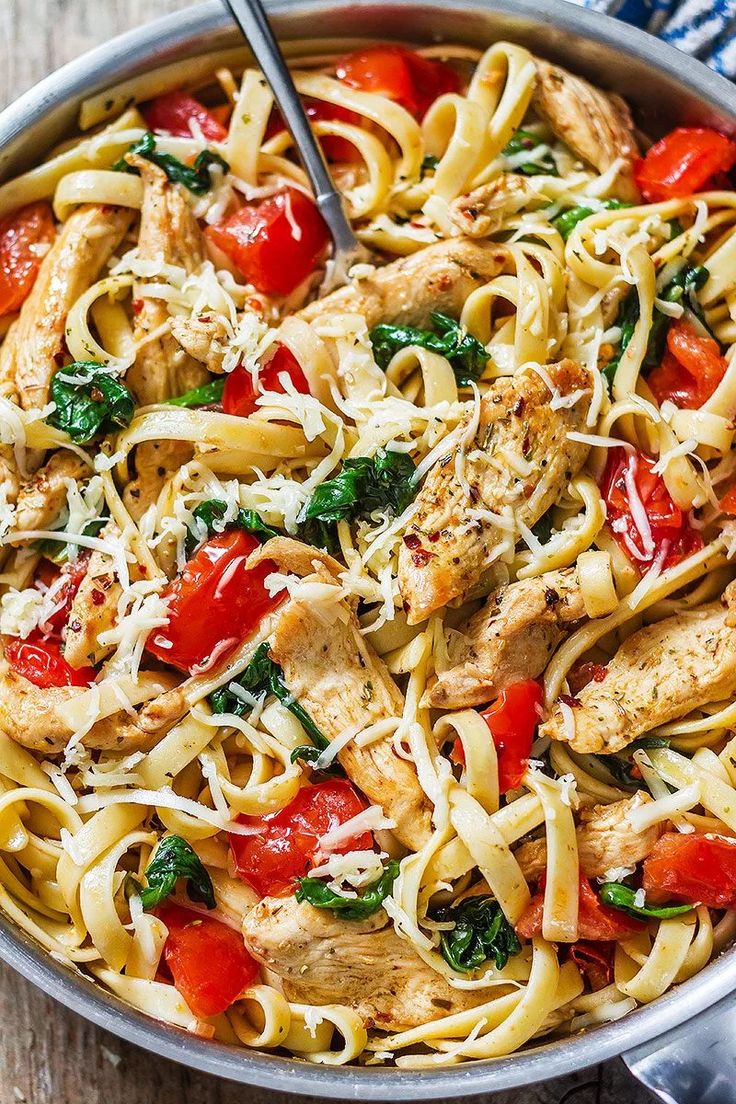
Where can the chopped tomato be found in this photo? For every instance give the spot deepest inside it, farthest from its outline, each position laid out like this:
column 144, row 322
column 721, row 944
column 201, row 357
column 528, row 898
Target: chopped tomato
column 583, row 673
column 402, row 75
column 276, row 244
column 207, row 959
column 595, row 962
column 285, row 843
column 512, row 720
column 691, row 369
column 683, row 162
column 692, row 867
column 214, row 603
column 39, row 660
column 73, row 573
column 728, row 502
column 596, row 921
column 669, row 538
column 25, row 235
column 175, row 112
column 239, row 396
column 335, row 148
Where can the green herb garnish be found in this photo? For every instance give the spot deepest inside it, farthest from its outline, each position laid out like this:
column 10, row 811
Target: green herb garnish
column 525, row 140
column 568, row 220
column 317, row 893
column 467, row 356
column 201, row 396
column 621, row 897
column 174, row 859
column 197, row 177
column 98, row 403
column 366, row 483
column 481, row 932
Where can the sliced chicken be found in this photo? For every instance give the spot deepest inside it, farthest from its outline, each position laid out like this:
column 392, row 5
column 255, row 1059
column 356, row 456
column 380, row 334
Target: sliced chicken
column 405, row 292
column 363, row 964
column 606, row 841
column 204, row 337
column 483, row 211
column 595, row 125
column 659, row 673
column 510, row 638
column 451, row 539
column 28, row 716
column 93, row 611
column 170, row 234
column 86, row 242
column 42, row 498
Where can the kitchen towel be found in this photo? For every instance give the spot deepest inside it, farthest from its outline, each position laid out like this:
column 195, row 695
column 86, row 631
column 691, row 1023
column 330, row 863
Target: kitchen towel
column 704, row 28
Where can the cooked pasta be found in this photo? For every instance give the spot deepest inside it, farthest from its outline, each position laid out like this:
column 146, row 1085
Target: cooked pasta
column 368, row 678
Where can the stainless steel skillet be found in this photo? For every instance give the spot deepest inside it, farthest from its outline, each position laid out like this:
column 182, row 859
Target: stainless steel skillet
column 682, row 1046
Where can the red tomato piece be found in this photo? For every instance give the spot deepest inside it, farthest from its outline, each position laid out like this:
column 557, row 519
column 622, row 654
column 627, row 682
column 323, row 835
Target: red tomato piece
column 239, row 396
column 275, row 244
column 596, row 921
column 512, row 720
column 728, row 502
column 672, row 538
column 39, row 660
column 691, row 368
column 335, row 148
column 24, row 234
column 208, row 960
column 683, row 162
column 215, row 602
column 174, row 112
column 595, row 962
column 401, row 75
column 73, row 574
column 286, row 842
column 692, row 867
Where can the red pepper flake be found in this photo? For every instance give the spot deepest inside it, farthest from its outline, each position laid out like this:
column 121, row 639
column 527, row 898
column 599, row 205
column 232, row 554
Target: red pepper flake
column 98, row 597
column 137, row 305
column 567, row 699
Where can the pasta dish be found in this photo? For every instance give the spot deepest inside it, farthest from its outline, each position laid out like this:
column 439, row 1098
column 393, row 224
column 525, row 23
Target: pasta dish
column 368, row 640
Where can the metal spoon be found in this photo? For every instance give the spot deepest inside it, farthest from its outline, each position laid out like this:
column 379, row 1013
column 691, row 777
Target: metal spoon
column 251, row 18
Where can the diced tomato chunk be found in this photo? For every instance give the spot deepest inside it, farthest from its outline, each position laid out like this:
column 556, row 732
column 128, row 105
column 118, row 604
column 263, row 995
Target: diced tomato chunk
column 512, row 719
column 277, row 244
column 595, row 920
column 692, row 867
column 239, row 396
column 174, row 113
column 683, row 162
column 214, row 603
column 691, row 369
column 208, row 960
column 595, row 962
column 25, row 235
column 39, row 659
column 670, row 537
column 335, row 148
column 401, row 75
column 728, row 502
column 285, row 843
column 73, row 574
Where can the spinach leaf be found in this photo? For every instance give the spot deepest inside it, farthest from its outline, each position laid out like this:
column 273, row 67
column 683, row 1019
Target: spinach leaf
column 568, row 220
column 525, row 140
column 201, row 396
column 429, row 163
column 542, row 529
column 57, row 552
column 213, row 510
column 262, row 676
column 467, row 356
column 175, row 859
column 481, row 932
column 99, row 403
column 622, row 897
column 366, row 483
column 320, row 534
column 196, row 177
column 317, row 893
column 622, row 765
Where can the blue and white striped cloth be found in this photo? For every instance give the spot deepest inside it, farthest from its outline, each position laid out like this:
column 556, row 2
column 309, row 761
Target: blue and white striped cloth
column 705, row 28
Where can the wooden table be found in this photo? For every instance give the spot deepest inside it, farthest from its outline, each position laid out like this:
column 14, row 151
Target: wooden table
column 47, row 1054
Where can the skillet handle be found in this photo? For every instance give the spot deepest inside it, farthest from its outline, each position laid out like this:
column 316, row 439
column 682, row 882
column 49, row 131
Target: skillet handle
column 696, row 1063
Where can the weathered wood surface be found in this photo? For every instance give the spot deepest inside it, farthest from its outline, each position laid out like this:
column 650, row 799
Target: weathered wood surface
column 47, row 1054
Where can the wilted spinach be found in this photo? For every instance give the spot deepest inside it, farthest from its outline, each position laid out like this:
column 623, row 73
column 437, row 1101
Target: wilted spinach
column 96, row 402
column 366, row 483
column 481, row 932
column 196, row 178
column 318, row 893
column 174, row 859
column 467, row 356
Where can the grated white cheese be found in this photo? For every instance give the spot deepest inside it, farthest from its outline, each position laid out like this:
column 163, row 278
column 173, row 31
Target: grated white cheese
column 371, row 819
column 21, row 611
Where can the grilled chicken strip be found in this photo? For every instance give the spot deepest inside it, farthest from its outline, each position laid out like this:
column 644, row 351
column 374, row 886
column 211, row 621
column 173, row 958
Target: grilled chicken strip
column 405, row 292
column 595, row 125
column 481, row 212
column 659, row 673
column 510, row 638
column 606, row 841
column 360, row 963
column 28, row 716
column 93, row 611
column 204, row 337
column 168, row 233
column 42, row 498
column 449, row 542
column 85, row 243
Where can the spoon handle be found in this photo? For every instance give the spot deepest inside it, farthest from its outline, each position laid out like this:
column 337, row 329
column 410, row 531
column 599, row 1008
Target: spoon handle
column 251, row 18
